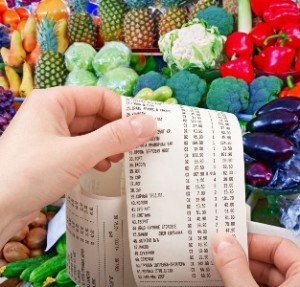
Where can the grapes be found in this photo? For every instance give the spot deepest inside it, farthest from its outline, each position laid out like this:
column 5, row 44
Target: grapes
column 6, row 109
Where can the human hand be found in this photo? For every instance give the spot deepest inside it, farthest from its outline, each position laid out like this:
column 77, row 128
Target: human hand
column 273, row 261
column 57, row 135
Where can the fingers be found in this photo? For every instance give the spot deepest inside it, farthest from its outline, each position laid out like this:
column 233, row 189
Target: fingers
column 266, row 274
column 89, row 101
column 111, row 140
column 284, row 254
column 231, row 262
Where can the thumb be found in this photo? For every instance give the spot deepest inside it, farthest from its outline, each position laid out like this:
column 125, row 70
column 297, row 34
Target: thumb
column 113, row 138
column 231, row 262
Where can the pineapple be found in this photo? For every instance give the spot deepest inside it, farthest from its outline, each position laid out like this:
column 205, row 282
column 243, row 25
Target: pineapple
column 50, row 70
column 81, row 26
column 111, row 13
column 200, row 5
column 174, row 17
column 139, row 27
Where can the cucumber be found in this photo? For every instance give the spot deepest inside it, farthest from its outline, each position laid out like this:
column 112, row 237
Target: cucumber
column 14, row 269
column 25, row 275
column 61, row 245
column 50, row 268
column 63, row 277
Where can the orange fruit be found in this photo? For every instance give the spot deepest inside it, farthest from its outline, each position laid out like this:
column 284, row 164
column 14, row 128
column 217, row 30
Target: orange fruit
column 3, row 6
column 11, row 17
column 22, row 12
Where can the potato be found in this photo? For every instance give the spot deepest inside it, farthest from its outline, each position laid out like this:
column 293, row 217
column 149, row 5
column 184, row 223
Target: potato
column 36, row 237
column 21, row 234
column 14, row 251
column 39, row 221
column 36, row 252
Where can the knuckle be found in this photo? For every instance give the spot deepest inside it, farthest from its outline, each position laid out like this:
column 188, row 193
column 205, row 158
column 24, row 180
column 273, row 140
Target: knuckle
column 116, row 134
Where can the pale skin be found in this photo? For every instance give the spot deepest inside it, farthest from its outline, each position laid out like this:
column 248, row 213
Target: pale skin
column 60, row 133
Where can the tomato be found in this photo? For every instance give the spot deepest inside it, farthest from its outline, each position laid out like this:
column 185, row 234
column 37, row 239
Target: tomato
column 3, row 6
column 22, row 12
column 11, row 17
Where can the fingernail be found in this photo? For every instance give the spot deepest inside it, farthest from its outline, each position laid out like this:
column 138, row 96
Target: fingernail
column 222, row 242
column 143, row 126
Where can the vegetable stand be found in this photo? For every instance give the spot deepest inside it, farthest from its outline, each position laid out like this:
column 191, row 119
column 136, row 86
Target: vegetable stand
column 236, row 56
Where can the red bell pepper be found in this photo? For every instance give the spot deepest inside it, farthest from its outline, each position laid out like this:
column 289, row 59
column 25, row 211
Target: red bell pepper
column 274, row 60
column 260, row 32
column 259, row 6
column 297, row 61
column 280, row 12
column 238, row 44
column 291, row 31
column 240, row 68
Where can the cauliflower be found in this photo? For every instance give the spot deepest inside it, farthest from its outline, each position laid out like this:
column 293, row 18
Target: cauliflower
column 193, row 46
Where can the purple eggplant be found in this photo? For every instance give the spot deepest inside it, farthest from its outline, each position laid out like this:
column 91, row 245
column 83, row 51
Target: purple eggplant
column 258, row 174
column 268, row 147
column 279, row 122
column 291, row 104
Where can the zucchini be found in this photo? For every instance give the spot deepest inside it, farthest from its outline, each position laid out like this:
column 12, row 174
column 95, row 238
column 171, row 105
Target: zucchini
column 63, row 277
column 14, row 269
column 48, row 268
column 61, row 244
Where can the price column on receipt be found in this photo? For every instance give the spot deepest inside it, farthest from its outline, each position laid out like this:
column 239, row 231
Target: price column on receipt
column 182, row 187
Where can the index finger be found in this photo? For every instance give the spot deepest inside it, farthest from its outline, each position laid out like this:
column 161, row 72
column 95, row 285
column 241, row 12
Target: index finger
column 282, row 253
column 89, row 101
column 83, row 102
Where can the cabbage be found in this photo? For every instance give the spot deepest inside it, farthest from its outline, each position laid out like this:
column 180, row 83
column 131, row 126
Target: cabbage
column 80, row 56
column 81, row 78
column 120, row 80
column 112, row 55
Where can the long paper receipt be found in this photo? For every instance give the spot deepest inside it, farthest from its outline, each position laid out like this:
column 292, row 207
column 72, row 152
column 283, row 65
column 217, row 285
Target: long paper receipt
column 150, row 220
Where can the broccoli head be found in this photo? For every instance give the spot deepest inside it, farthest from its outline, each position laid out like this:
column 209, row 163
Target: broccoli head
column 152, row 80
column 228, row 94
column 187, row 88
column 219, row 17
column 263, row 89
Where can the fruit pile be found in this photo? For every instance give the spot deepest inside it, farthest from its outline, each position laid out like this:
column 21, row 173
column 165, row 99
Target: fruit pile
column 272, row 146
column 6, row 108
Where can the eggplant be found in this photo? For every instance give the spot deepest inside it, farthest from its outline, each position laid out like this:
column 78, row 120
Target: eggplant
column 279, row 122
column 268, row 147
column 291, row 104
column 258, row 174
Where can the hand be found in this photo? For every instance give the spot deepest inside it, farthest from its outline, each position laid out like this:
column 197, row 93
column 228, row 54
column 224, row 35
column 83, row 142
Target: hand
column 273, row 261
column 57, row 135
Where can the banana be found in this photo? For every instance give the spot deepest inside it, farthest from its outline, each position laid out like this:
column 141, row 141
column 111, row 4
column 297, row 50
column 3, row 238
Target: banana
column 27, row 84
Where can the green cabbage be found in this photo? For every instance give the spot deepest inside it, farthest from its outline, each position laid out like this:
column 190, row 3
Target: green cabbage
column 81, row 78
column 80, row 56
column 120, row 80
column 112, row 55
